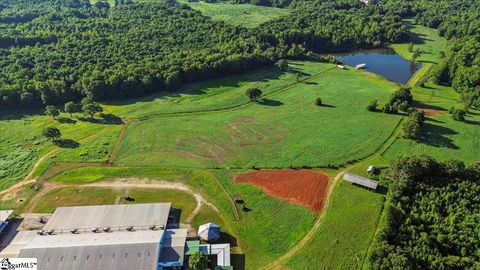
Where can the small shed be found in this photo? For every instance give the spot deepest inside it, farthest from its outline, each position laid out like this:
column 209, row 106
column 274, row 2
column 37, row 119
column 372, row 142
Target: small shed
column 209, row 232
column 359, row 180
column 371, row 169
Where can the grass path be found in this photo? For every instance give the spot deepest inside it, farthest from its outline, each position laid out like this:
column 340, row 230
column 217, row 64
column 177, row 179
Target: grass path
column 118, row 142
column 28, row 179
column 277, row 264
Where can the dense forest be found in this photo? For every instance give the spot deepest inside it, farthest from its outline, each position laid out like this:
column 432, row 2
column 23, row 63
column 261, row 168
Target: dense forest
column 55, row 51
column 432, row 218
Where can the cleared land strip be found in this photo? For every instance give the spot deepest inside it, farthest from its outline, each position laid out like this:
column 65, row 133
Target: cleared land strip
column 234, row 107
column 118, row 142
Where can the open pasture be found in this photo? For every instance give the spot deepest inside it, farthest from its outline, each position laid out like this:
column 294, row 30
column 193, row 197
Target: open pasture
column 22, row 143
column 343, row 238
column 425, row 39
column 245, row 15
column 283, row 129
column 443, row 137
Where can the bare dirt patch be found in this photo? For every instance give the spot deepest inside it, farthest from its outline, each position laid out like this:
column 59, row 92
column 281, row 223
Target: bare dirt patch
column 304, row 187
column 430, row 112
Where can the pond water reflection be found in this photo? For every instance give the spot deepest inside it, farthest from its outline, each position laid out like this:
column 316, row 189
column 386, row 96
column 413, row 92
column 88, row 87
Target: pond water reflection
column 384, row 62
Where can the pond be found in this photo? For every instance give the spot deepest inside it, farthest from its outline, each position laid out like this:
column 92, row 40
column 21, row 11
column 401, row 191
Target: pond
column 384, row 62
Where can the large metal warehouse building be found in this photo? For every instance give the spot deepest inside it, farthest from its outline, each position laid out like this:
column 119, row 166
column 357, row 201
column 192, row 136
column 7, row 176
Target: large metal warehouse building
column 116, row 237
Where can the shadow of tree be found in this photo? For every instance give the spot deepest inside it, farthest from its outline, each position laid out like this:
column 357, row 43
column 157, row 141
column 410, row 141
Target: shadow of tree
column 65, row 120
column 66, row 143
column 270, row 102
column 436, row 136
column 199, row 88
column 106, row 119
column 422, row 105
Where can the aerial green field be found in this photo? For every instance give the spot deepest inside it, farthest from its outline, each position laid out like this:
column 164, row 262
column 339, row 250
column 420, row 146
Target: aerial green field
column 22, row 143
column 238, row 14
column 336, row 244
column 444, row 138
column 284, row 129
column 427, row 40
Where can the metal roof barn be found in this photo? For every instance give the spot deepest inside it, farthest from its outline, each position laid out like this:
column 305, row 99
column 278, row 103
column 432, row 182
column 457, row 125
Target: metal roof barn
column 359, row 180
column 116, row 217
column 92, row 251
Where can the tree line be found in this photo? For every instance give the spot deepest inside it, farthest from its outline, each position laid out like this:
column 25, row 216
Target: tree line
column 432, row 216
column 56, row 51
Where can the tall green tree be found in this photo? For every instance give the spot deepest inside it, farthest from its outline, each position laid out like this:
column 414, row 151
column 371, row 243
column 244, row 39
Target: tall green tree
column 91, row 109
column 51, row 133
column 52, row 111
column 71, row 107
column 253, row 94
column 198, row 261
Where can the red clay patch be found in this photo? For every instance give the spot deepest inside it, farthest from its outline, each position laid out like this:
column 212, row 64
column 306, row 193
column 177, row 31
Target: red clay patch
column 307, row 188
column 430, row 112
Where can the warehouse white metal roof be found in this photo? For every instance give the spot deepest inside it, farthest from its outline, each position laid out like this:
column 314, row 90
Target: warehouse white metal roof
column 359, row 180
column 96, row 251
column 117, row 217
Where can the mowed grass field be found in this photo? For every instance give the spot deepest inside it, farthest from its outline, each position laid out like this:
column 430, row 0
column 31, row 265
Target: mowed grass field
column 282, row 130
column 342, row 240
column 427, row 40
column 443, row 138
column 245, row 15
